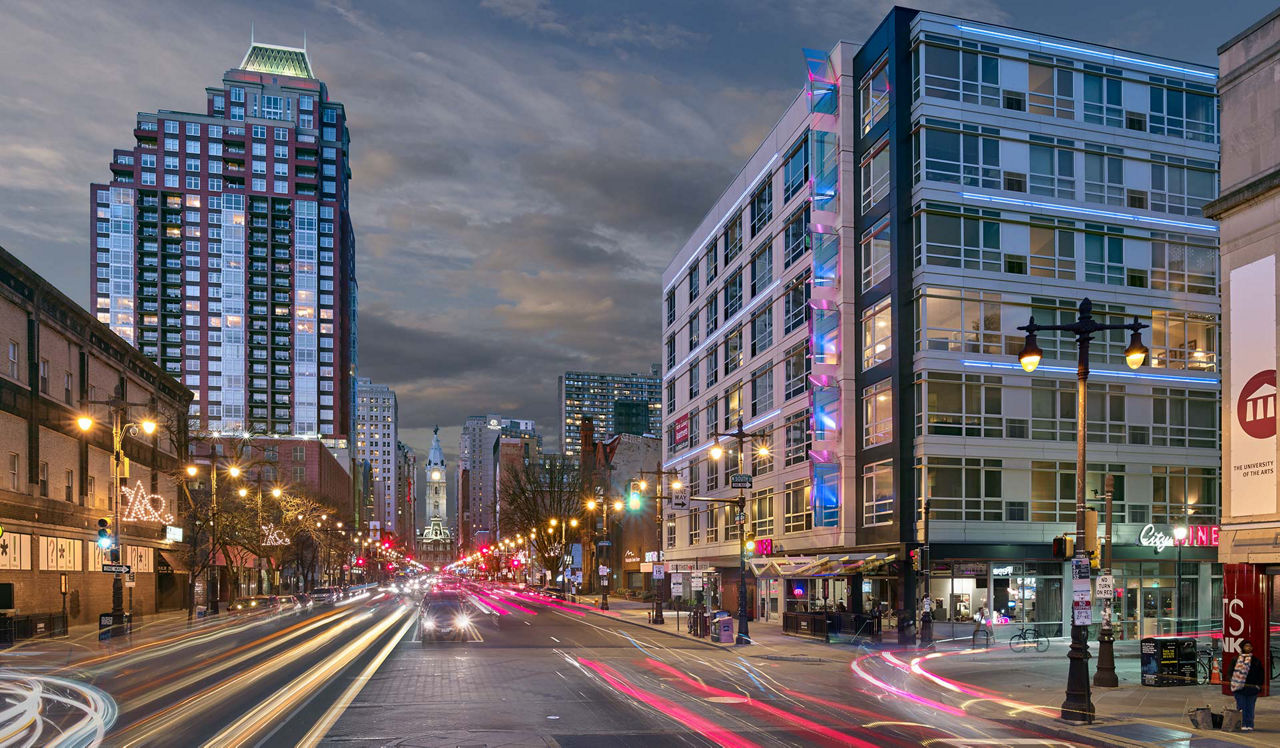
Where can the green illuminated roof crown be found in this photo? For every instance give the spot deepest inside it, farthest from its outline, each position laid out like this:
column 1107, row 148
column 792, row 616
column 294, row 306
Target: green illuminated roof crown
column 275, row 60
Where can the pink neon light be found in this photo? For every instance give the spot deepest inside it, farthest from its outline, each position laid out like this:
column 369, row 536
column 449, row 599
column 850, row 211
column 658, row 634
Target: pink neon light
column 669, row 708
column 856, row 666
column 784, row 718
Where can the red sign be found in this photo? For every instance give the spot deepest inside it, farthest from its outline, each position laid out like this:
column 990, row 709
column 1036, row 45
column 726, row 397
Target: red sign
column 682, row 429
column 764, row 546
column 1256, row 407
column 1244, row 619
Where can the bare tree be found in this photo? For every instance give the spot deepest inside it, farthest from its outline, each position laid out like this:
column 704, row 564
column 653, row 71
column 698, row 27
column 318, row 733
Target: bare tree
column 534, row 492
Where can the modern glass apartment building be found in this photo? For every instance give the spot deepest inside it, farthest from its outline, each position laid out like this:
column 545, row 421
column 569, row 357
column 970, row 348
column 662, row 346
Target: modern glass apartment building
column 855, row 294
column 223, row 248
column 594, row 395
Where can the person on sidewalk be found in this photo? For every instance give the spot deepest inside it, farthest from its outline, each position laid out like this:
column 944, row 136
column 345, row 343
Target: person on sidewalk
column 1246, row 683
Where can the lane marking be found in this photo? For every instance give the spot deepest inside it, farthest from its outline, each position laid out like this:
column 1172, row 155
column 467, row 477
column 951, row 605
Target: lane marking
column 557, row 641
column 335, row 710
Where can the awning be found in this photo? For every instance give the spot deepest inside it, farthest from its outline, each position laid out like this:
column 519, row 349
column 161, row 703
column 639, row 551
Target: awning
column 174, row 561
column 820, row 566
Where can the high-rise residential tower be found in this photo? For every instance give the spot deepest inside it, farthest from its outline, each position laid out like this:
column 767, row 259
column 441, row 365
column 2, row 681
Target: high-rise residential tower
column 223, row 248
column 478, row 453
column 855, row 295
column 588, row 394
column 376, row 441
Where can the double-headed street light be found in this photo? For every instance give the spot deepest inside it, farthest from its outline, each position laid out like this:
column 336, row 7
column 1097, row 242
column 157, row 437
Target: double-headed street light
column 604, row 507
column 742, row 480
column 234, row 472
column 658, row 474
column 118, row 408
column 1078, row 706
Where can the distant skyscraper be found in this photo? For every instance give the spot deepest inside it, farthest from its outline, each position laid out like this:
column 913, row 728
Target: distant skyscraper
column 593, row 394
column 222, row 248
column 478, row 462
column 375, row 441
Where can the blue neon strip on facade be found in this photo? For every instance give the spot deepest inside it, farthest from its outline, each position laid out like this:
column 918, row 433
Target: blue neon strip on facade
column 1085, row 51
column 697, row 253
column 1088, row 211
column 1096, row 372
column 723, row 328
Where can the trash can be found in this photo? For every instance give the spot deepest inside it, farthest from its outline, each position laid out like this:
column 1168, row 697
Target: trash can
column 724, row 630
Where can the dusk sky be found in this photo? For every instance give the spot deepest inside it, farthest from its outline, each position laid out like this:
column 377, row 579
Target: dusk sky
column 522, row 170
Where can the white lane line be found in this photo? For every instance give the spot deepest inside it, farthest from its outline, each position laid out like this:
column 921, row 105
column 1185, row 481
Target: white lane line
column 557, row 641
column 527, row 623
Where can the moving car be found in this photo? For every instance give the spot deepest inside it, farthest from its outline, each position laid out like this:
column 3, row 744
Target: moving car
column 446, row 615
column 325, row 595
column 299, row 603
column 255, row 604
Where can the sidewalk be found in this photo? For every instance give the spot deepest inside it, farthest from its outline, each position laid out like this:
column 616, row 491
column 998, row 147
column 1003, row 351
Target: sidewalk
column 1133, row 712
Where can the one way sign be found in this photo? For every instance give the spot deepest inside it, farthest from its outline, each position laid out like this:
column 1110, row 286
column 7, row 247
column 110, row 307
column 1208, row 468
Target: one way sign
column 680, row 498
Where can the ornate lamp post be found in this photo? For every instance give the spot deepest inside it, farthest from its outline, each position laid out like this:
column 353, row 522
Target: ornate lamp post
column 118, row 408
column 1078, row 706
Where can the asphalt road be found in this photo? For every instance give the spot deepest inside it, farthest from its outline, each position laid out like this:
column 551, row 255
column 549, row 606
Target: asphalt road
column 534, row 672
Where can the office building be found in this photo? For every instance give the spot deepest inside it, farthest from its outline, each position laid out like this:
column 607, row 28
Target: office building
column 478, row 467
column 595, row 395
column 855, row 293
column 223, row 249
column 406, row 489
column 376, row 440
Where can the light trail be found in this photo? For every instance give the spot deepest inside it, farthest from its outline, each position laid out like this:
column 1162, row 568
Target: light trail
column 28, row 700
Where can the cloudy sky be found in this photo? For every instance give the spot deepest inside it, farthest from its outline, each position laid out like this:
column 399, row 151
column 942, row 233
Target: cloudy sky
column 522, row 169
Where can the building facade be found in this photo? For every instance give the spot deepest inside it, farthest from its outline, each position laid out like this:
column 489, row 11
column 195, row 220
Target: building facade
column 406, row 489
column 375, row 441
column 853, row 299
column 62, row 364
column 223, row 249
column 1247, row 208
column 478, row 453
column 594, row 395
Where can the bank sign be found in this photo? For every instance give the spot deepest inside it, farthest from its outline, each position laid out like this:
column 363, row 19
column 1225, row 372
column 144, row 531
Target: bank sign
column 1244, row 619
column 1251, row 376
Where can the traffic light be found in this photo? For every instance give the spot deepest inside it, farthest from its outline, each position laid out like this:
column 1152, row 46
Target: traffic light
column 750, row 544
column 1091, row 536
column 1064, row 547
column 104, row 533
column 914, row 553
column 633, row 495
column 360, row 561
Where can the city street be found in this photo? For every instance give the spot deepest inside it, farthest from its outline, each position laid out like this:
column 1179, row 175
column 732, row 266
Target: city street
column 537, row 672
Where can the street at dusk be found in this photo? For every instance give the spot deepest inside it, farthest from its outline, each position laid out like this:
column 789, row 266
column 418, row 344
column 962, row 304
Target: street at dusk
column 739, row 373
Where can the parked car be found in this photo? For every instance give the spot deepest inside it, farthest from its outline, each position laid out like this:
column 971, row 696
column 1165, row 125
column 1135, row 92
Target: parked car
column 446, row 615
column 256, row 604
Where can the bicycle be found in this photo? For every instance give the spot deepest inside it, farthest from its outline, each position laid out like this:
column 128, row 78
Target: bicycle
column 1204, row 664
column 1028, row 638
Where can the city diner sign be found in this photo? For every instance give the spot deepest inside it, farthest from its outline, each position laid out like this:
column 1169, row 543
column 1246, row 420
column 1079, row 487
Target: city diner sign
column 1197, row 535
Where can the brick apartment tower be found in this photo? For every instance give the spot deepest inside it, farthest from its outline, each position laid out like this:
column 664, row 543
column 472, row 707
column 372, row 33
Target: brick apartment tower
column 223, row 249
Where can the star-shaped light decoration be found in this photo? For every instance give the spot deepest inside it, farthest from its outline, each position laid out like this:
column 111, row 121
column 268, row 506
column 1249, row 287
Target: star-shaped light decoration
column 144, row 507
column 271, row 535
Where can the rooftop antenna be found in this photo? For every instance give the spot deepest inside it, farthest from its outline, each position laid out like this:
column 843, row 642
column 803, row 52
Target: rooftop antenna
column 251, row 33
column 304, row 40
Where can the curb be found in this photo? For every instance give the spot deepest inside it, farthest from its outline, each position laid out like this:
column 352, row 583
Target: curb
column 650, row 628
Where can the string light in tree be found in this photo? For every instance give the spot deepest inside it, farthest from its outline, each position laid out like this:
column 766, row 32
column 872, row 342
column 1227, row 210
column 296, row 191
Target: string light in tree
column 141, row 506
column 271, row 535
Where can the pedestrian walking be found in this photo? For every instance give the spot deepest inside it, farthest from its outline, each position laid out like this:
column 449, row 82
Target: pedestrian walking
column 1246, row 683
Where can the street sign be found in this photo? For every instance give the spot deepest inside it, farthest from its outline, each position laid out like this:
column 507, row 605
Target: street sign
column 740, row 517
column 1081, row 591
column 130, row 579
column 604, row 570
column 740, row 480
column 677, row 585
column 659, row 571
column 695, row 582
column 680, row 499
column 1106, row 587
column 117, row 568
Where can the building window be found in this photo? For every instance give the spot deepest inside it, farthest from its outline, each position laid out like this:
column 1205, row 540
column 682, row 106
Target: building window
column 44, row 479
column 694, row 380
column 877, row 409
column 963, row 322
column 1184, row 418
column 1053, row 248
column 963, row 488
column 732, row 238
column 1104, row 174
column 762, row 513
column 44, row 376
column 762, row 207
column 1104, row 254
column 1053, row 491
column 1183, row 110
column 68, row 491
column 762, row 390
column 762, row 330
column 875, row 95
column 965, row 75
column 671, row 397
column 732, row 350
column 877, row 334
column 795, row 170
column 671, row 307
column 877, row 493
column 1184, row 495
column 733, row 294
column 1103, row 104
column 876, row 248
column 14, row 370
column 712, row 262
column 713, row 366
column 14, row 472
column 694, row 336
column 1181, row 186
column 1051, row 88
column 713, row 519
column 875, row 175
column 713, row 321
column 796, row 370
column 967, row 155
column 968, row 405
column 1053, row 168
column 732, row 408
column 693, row 283
column 92, row 491
column 762, row 268
column 798, row 515
column 1177, row 264
column 795, row 236
column 966, row 238
column 695, row 527
column 796, row 448
column 795, row 304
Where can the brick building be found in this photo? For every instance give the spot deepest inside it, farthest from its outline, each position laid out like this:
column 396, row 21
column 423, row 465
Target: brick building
column 62, row 363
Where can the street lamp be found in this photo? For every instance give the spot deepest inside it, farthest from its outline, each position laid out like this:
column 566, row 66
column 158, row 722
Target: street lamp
column 658, row 474
column 1179, row 535
column 118, row 408
column 1078, row 705
column 716, row 452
